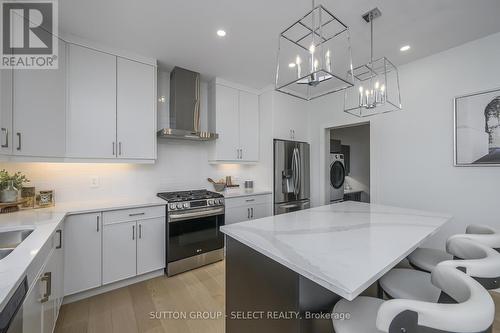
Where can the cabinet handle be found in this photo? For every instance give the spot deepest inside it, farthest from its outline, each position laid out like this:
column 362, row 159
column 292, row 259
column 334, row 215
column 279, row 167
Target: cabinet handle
column 119, row 148
column 136, row 214
column 47, row 278
column 133, row 232
column 252, row 211
column 250, row 200
column 248, row 213
column 60, row 239
column 6, row 144
column 19, row 138
column 97, row 223
column 237, row 154
column 241, row 154
column 140, row 230
column 114, row 148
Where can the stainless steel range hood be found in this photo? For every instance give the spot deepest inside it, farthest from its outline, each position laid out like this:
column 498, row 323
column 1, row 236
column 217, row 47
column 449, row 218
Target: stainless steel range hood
column 185, row 108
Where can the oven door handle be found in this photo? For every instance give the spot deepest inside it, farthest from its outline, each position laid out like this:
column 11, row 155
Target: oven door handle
column 193, row 215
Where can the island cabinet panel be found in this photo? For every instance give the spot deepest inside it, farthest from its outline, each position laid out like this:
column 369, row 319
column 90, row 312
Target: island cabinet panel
column 247, row 291
column 285, row 304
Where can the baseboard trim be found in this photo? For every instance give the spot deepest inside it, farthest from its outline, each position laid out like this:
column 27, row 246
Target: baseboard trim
column 112, row 286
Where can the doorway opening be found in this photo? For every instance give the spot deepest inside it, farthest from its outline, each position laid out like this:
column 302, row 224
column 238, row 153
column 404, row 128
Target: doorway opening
column 349, row 163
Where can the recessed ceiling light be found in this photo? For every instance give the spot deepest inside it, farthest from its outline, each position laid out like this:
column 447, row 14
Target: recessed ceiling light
column 291, row 65
column 405, row 48
column 221, row 33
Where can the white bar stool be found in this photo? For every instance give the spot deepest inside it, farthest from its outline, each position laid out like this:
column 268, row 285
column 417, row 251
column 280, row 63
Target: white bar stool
column 481, row 262
column 426, row 259
column 474, row 312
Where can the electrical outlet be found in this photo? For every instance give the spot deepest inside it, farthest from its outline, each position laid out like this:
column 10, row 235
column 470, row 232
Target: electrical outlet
column 94, row 182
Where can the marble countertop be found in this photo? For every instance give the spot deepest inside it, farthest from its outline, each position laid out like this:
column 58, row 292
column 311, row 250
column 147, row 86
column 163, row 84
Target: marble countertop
column 344, row 247
column 238, row 192
column 45, row 221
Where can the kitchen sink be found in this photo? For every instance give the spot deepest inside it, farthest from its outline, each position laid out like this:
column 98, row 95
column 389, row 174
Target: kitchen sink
column 12, row 238
column 5, row 252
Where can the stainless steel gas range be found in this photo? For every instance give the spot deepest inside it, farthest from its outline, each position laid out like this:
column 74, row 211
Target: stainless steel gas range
column 193, row 235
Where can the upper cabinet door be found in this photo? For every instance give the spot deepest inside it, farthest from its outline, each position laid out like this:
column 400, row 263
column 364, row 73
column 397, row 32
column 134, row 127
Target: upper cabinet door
column 227, row 113
column 136, row 116
column 5, row 111
column 39, row 110
column 249, row 126
column 91, row 122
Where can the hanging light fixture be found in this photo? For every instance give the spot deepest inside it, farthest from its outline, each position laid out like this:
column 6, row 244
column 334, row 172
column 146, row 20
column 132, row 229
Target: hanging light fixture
column 376, row 88
column 314, row 53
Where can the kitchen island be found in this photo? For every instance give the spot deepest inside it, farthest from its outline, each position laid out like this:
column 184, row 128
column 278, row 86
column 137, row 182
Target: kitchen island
column 284, row 268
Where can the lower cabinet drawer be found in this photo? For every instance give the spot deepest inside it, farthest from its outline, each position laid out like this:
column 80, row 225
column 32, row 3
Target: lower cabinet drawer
column 133, row 214
column 257, row 199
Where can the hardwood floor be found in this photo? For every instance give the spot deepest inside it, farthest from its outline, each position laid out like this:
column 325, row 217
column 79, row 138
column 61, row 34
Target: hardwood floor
column 128, row 309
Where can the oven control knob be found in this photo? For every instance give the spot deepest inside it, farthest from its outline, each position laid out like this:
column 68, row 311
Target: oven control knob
column 221, row 201
column 210, row 202
column 179, row 205
column 185, row 205
column 172, row 206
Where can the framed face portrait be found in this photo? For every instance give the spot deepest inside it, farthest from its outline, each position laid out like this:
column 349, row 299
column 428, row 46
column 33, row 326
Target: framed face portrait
column 477, row 129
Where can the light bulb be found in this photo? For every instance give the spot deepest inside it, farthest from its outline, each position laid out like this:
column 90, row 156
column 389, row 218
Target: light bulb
column 298, row 61
column 367, row 93
column 291, row 65
column 382, row 88
column 312, row 48
column 377, row 84
column 361, row 89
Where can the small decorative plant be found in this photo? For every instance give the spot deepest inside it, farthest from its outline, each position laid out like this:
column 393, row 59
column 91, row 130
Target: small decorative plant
column 17, row 179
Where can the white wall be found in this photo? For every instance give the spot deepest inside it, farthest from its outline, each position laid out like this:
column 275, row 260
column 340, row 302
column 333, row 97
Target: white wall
column 181, row 165
column 358, row 139
column 412, row 150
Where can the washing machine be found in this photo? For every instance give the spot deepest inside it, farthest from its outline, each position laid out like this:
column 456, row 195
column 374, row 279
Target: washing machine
column 337, row 177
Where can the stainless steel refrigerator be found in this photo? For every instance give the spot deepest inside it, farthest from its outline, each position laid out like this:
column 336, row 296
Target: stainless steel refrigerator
column 291, row 176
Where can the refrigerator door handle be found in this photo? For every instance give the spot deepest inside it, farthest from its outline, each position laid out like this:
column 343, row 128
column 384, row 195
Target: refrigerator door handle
column 299, row 172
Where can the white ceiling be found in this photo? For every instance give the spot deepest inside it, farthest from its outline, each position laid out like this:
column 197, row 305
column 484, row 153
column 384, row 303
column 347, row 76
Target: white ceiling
column 183, row 32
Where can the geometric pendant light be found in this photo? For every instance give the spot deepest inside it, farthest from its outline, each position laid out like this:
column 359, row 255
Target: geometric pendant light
column 376, row 84
column 314, row 55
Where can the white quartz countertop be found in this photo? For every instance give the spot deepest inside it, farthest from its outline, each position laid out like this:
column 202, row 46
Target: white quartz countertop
column 238, row 192
column 45, row 221
column 344, row 247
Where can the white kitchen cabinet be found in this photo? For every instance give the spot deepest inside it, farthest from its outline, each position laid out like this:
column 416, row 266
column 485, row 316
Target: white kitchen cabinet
column 235, row 117
column 82, row 252
column 91, row 116
column 136, row 101
column 248, row 208
column 42, row 303
column 249, row 126
column 32, row 310
column 119, row 251
column 226, row 123
column 150, row 245
column 5, row 111
column 290, row 118
column 39, row 110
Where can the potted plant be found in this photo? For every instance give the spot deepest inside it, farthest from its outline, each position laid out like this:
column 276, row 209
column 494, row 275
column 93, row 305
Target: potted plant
column 10, row 185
